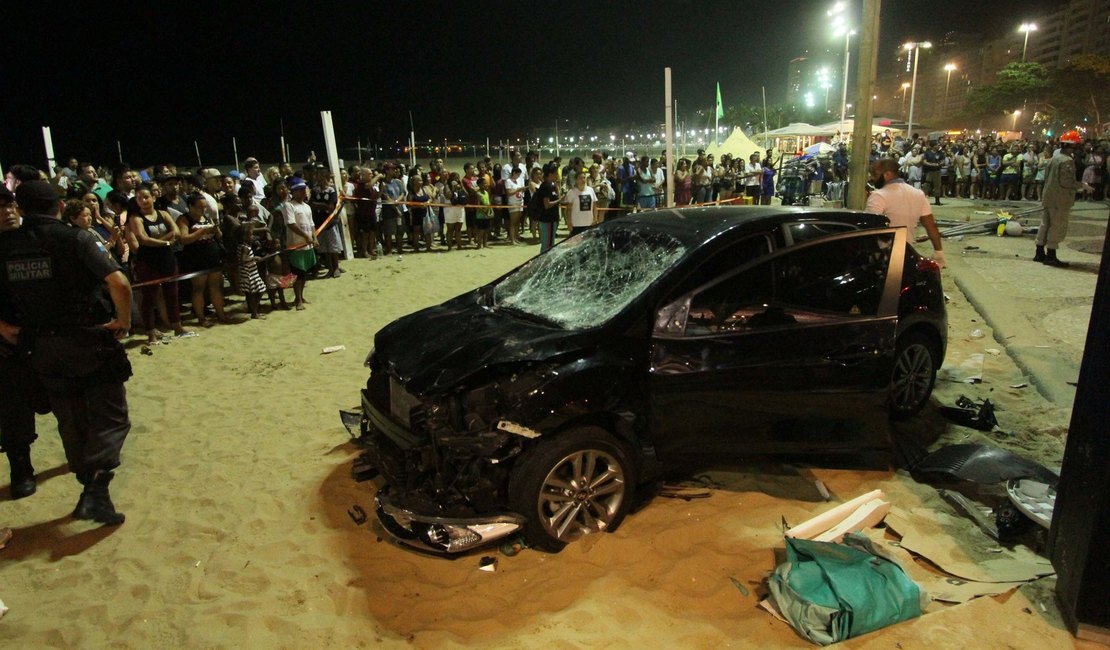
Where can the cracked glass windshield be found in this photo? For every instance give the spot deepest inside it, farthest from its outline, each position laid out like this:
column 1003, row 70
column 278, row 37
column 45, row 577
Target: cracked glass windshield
column 588, row 279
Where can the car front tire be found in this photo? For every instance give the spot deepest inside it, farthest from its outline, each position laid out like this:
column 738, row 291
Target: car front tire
column 916, row 360
column 577, row 483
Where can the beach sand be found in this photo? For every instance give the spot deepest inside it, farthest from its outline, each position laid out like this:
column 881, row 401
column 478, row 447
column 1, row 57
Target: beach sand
column 236, row 484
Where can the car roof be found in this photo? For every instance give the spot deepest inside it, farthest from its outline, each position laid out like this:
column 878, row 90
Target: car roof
column 695, row 225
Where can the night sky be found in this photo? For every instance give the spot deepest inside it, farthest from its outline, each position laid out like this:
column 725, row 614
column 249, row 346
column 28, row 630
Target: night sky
column 157, row 75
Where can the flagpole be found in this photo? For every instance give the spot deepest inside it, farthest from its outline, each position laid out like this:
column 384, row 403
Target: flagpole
column 669, row 108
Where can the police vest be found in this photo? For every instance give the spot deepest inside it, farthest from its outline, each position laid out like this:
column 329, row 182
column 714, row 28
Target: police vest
column 45, row 278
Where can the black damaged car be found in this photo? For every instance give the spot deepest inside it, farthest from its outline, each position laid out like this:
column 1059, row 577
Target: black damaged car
column 535, row 405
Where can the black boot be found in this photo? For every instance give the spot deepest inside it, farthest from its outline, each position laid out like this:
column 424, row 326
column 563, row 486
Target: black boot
column 1050, row 259
column 1039, row 257
column 22, row 473
column 95, row 502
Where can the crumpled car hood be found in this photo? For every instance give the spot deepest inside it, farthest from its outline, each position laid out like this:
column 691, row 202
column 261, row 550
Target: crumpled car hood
column 438, row 347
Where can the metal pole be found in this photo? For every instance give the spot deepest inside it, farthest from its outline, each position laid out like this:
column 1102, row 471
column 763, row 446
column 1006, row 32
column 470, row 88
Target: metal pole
column 556, row 138
column 844, row 91
column 284, row 149
column 358, row 148
column 235, row 148
column 1025, row 46
column 947, row 82
column 865, row 81
column 333, row 162
column 913, row 90
column 668, row 108
column 764, row 89
column 119, row 150
column 49, row 142
column 197, row 148
column 412, row 141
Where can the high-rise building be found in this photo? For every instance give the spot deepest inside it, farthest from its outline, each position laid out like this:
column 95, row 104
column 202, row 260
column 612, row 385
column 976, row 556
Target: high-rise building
column 813, row 82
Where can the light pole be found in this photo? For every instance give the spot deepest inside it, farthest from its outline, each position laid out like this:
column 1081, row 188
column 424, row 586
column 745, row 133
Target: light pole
column 840, row 24
column 948, row 67
column 1026, row 28
column 1017, row 114
column 905, row 87
column 916, row 49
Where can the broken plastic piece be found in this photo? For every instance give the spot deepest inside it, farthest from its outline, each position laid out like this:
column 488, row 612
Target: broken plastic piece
column 739, row 586
column 968, row 507
column 488, row 563
column 518, row 429
column 976, row 333
column 969, row 414
column 333, row 348
column 982, row 464
column 1035, row 499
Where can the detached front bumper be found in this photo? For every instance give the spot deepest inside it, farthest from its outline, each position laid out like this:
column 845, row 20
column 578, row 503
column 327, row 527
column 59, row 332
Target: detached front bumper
column 442, row 535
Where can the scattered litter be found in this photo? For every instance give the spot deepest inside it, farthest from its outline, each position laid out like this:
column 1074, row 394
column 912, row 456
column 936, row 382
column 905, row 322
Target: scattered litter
column 357, row 515
column 862, row 512
column 332, row 348
column 993, row 351
column 197, row 564
column 830, row 592
column 3, row 609
column 1026, row 610
column 147, row 351
column 686, row 492
column 187, row 335
column 976, row 333
column 1021, row 385
column 971, row 248
column 947, row 297
column 510, row 548
column 736, row 583
column 488, row 563
column 978, row 514
column 822, row 490
column 969, row 414
column 1041, row 605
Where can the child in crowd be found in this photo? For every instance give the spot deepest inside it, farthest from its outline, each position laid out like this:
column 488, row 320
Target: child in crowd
column 483, row 218
column 250, row 282
column 453, row 216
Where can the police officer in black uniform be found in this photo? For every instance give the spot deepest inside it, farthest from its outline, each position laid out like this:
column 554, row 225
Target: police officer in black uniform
column 20, row 394
column 55, row 276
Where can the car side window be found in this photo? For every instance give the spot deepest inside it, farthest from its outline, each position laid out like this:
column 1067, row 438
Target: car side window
column 839, row 279
column 844, row 277
column 806, row 231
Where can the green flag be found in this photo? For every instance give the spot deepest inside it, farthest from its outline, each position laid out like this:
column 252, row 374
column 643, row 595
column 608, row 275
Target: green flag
column 720, row 106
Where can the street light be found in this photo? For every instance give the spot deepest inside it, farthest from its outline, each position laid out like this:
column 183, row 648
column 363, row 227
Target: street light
column 948, row 67
column 916, row 49
column 905, row 87
column 1026, row 28
column 840, row 25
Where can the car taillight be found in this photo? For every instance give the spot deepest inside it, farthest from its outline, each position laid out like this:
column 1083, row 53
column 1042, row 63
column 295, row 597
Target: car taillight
column 927, row 265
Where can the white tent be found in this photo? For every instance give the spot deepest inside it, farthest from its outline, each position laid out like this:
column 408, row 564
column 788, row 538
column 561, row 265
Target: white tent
column 830, row 128
column 793, row 130
column 738, row 145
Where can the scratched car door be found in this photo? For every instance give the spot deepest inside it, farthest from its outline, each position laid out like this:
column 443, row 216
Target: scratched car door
column 790, row 354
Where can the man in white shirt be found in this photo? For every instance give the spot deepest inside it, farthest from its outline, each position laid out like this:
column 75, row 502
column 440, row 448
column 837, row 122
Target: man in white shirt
column 254, row 173
column 582, row 206
column 902, row 204
column 514, row 198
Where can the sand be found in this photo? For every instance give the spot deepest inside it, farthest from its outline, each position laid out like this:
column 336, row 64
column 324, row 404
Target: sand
column 236, row 484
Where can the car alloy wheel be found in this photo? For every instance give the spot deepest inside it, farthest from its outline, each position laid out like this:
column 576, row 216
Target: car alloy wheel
column 576, row 484
column 915, row 372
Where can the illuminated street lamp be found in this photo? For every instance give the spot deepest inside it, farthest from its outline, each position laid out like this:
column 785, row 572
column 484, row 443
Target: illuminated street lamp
column 916, row 49
column 948, row 67
column 840, row 26
column 905, row 87
column 1026, row 28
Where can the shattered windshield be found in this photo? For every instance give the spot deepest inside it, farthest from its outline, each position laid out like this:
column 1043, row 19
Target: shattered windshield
column 588, row 279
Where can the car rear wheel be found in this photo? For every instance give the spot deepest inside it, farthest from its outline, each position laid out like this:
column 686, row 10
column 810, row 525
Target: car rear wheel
column 915, row 372
column 578, row 483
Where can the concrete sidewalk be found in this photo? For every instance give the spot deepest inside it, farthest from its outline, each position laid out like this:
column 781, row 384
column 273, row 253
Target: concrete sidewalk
column 1038, row 313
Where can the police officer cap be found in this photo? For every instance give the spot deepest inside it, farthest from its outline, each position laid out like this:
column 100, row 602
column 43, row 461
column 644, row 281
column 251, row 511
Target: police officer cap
column 37, row 197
